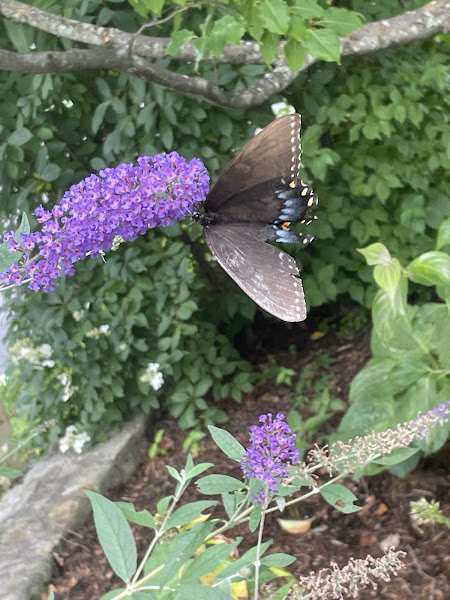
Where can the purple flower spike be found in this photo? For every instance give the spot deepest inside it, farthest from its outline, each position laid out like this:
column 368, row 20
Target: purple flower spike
column 272, row 450
column 121, row 203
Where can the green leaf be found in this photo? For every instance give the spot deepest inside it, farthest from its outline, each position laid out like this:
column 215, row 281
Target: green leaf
column 115, row 536
column 396, row 456
column 229, row 29
column 323, row 44
column 208, row 561
column 244, row 561
column 10, row 473
column 307, row 9
column 51, row 172
column 142, row 517
column 99, row 115
column 227, row 443
column 279, row 560
column 200, row 592
column 186, row 309
column 155, row 6
column 388, row 276
column 198, row 470
column 177, row 41
column 295, row 53
column 188, row 513
column 274, row 15
column 24, row 227
column 7, row 258
column 341, row 20
column 255, row 517
column 20, row 136
column 218, row 484
column 443, row 238
column 431, row 268
column 186, row 543
column 269, row 46
column 340, row 497
column 375, row 254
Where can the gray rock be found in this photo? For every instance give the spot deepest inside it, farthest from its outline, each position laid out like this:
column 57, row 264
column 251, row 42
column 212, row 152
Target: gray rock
column 35, row 515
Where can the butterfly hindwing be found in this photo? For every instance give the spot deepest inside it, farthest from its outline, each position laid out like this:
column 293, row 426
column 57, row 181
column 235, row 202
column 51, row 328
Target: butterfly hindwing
column 265, row 273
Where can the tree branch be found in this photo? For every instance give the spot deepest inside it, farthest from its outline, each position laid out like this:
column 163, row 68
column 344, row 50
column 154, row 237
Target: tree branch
column 429, row 20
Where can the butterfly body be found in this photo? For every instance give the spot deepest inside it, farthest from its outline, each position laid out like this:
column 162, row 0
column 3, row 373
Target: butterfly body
column 254, row 200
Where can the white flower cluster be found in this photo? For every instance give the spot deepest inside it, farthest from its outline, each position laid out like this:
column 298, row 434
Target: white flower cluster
column 152, row 376
column 98, row 331
column 39, row 356
column 73, row 440
column 66, row 381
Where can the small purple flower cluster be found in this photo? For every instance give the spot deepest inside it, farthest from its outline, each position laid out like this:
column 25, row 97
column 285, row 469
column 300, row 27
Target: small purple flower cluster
column 272, row 450
column 122, row 202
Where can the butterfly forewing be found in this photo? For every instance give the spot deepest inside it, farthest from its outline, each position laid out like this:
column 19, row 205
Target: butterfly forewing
column 265, row 273
column 267, row 159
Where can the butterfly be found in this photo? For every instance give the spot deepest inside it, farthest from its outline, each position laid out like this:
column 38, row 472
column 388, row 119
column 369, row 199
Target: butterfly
column 255, row 199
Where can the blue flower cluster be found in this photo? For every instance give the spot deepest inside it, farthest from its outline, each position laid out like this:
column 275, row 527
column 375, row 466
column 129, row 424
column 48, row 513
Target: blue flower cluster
column 121, row 203
column 272, row 450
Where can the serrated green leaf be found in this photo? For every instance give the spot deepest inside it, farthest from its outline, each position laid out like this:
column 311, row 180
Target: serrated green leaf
column 295, row 53
column 227, row 443
column 341, row 20
column 340, row 497
column 177, row 41
column 323, row 44
column 155, row 6
column 274, row 15
column 269, row 46
column 307, row 9
column 115, row 536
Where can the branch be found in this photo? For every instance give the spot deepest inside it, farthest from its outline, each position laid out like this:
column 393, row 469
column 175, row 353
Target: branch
column 429, row 20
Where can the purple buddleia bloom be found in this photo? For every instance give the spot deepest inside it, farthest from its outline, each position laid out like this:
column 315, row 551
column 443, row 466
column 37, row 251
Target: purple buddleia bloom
column 271, row 452
column 118, row 205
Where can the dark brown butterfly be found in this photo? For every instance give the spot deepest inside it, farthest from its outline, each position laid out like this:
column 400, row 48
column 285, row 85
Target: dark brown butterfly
column 254, row 200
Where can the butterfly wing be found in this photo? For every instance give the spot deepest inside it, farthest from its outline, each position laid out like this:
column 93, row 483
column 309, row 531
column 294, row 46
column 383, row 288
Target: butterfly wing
column 256, row 173
column 265, row 273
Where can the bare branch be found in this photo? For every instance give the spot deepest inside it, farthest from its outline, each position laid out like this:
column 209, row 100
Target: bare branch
column 419, row 24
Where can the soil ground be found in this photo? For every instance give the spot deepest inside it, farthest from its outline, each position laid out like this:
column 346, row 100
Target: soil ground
column 81, row 572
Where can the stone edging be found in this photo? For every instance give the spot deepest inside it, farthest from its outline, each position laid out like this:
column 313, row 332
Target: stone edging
column 35, row 515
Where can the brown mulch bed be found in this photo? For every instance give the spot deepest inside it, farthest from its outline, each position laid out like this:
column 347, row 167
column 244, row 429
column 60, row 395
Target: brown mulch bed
column 82, row 573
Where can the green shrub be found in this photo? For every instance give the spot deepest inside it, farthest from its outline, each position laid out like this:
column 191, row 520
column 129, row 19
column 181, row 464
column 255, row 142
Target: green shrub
column 410, row 369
